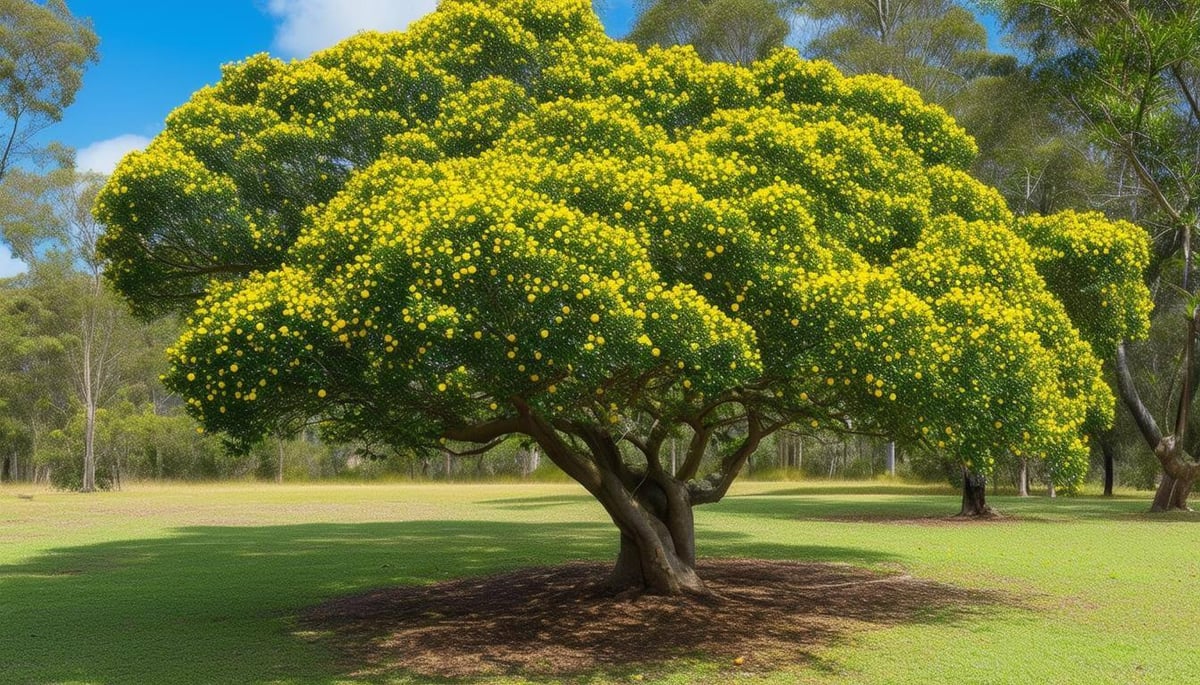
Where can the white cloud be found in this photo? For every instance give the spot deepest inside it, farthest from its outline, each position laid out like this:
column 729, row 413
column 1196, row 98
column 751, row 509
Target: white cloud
column 102, row 156
column 10, row 265
column 310, row 25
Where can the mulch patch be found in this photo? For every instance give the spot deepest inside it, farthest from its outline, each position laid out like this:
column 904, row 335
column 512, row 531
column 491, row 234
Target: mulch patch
column 558, row 621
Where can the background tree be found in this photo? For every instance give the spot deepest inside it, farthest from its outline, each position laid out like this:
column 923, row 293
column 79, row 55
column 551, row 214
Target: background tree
column 43, row 53
column 25, row 353
column 734, row 31
column 1132, row 72
column 935, row 46
column 53, row 229
column 545, row 233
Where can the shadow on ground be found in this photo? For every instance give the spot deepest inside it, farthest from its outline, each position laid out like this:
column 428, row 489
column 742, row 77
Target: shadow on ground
column 220, row 604
column 553, row 622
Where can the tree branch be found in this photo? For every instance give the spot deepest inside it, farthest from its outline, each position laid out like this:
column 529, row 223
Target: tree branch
column 1133, row 401
column 713, row 487
column 485, row 432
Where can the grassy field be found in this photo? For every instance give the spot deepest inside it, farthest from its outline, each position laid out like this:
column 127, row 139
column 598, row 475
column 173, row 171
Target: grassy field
column 202, row 584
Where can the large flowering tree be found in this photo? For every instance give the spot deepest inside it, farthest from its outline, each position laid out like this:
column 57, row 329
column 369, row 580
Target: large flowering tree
column 503, row 222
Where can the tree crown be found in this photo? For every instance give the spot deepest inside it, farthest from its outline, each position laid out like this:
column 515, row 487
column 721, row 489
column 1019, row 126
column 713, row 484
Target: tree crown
column 502, row 211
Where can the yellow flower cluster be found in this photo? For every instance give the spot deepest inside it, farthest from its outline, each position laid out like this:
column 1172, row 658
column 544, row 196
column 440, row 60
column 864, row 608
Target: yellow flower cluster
column 407, row 231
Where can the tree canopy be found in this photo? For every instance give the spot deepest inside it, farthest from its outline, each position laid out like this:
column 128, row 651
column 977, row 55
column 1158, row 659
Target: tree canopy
column 502, row 221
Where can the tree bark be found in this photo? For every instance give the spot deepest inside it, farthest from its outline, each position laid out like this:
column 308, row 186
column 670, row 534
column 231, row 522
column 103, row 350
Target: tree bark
column 1109, row 451
column 1172, row 494
column 1180, row 472
column 658, row 549
column 1023, row 478
column 89, row 448
column 974, row 499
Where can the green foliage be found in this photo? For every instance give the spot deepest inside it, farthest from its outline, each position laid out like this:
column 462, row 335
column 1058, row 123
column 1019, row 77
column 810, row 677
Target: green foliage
column 938, row 47
column 410, row 235
column 43, row 52
column 735, row 31
column 1132, row 73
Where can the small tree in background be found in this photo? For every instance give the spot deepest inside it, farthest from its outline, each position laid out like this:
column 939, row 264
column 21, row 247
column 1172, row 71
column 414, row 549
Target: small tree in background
column 502, row 222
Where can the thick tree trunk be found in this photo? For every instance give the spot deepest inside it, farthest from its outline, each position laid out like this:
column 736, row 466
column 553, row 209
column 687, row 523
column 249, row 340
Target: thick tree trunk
column 1023, row 479
column 974, row 499
column 658, row 545
column 1180, row 472
column 1172, row 494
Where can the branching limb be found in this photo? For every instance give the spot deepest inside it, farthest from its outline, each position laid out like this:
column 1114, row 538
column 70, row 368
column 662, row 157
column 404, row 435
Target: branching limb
column 713, row 488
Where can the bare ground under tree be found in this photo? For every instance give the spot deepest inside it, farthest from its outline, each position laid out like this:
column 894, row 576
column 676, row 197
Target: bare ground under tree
column 557, row 621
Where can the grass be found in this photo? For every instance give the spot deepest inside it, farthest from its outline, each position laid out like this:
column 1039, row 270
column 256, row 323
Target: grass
column 202, row 584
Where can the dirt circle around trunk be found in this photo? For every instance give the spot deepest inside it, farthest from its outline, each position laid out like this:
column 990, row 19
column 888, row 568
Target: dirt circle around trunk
column 558, row 621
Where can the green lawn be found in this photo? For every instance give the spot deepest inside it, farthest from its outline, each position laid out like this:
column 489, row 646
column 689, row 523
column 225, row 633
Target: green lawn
column 202, row 584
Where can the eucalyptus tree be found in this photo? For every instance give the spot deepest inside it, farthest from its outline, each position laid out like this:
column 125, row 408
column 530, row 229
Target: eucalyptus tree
column 49, row 225
column 44, row 51
column 734, row 31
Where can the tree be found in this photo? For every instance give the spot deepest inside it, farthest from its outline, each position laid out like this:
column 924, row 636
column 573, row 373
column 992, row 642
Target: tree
column 1132, row 71
column 49, row 224
column 503, row 223
column 43, row 52
column 935, row 46
column 25, row 351
column 735, row 31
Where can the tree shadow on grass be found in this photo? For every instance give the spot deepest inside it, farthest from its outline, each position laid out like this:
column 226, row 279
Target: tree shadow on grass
column 558, row 622
column 219, row 604
column 538, row 503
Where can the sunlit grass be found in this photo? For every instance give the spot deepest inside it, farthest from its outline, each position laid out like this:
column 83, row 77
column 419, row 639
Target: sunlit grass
column 166, row 584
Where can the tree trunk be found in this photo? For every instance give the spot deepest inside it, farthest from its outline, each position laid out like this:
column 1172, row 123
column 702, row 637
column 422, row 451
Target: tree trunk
column 1180, row 472
column 6, row 469
column 1106, row 446
column 1023, row 478
column 1172, row 494
column 658, row 545
column 974, row 499
column 89, row 449
column 279, row 462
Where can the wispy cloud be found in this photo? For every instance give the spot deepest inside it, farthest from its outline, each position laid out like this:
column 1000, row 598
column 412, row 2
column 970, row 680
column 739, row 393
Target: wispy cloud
column 306, row 26
column 102, row 156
